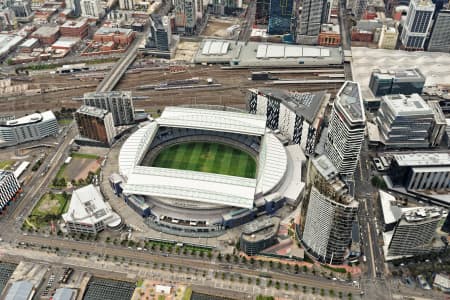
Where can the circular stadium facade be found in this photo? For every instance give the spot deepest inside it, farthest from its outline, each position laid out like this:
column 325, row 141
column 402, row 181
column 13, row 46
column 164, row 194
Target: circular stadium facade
column 197, row 172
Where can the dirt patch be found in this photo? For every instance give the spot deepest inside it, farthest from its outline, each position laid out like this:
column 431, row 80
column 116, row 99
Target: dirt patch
column 48, row 205
column 92, row 166
column 218, row 27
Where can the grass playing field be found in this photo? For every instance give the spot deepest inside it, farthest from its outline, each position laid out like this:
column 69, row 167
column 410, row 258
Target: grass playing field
column 207, row 157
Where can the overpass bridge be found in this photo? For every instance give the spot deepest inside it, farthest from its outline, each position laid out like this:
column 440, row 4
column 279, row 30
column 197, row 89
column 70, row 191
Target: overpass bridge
column 112, row 78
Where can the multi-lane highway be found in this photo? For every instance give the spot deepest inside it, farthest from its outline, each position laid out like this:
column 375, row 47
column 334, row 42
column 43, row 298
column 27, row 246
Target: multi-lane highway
column 117, row 251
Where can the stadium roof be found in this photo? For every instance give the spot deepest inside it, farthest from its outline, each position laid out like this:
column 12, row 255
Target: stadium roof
column 215, row 120
column 199, row 186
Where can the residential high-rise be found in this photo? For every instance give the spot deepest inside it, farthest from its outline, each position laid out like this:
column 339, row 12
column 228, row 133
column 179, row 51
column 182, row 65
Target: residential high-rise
column 359, row 7
column 404, row 122
column 346, row 129
column 160, row 34
column 414, row 231
column 9, row 188
column 417, row 25
column 95, row 124
column 91, row 8
column 28, row 128
column 310, row 21
column 126, row 4
column 74, row 6
column 388, row 37
column 185, row 16
column 298, row 116
column 440, row 37
column 119, row 103
column 7, row 19
column 21, row 8
column 328, row 213
column 280, row 16
column 404, row 81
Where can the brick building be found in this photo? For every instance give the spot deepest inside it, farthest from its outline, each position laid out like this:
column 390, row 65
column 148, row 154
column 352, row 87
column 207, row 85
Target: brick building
column 362, row 35
column 95, row 124
column 78, row 28
column 329, row 35
column 120, row 36
column 46, row 34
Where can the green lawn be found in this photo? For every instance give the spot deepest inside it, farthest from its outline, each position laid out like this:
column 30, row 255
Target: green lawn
column 50, row 207
column 209, row 158
column 6, row 164
column 84, row 155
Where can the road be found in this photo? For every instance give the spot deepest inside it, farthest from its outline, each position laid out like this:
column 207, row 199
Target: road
column 144, row 256
column 39, row 183
column 115, row 74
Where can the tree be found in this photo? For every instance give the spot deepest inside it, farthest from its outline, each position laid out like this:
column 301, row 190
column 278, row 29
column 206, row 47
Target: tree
column 305, row 269
column 296, row 268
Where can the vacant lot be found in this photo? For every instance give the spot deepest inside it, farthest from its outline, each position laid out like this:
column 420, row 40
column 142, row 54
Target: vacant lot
column 207, row 157
column 79, row 167
column 49, row 208
column 218, row 27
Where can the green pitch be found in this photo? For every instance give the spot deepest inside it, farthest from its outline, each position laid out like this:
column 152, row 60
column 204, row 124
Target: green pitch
column 207, row 157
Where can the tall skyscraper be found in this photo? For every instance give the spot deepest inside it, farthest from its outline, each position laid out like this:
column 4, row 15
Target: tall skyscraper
column 417, row 25
column 91, row 8
column 346, row 129
column 95, row 123
column 359, row 7
column 262, row 11
column 160, row 34
column 328, row 213
column 126, row 4
column 120, row 104
column 280, row 16
column 74, row 6
column 310, row 21
column 440, row 37
column 185, row 16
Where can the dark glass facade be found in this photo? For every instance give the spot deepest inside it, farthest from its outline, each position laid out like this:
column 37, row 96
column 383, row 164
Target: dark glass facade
column 280, row 16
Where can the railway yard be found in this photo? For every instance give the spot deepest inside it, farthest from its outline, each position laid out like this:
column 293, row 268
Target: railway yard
column 155, row 85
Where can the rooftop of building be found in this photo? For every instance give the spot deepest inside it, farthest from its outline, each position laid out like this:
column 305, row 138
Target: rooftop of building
column 400, row 74
column 33, row 118
column 64, row 294
column 75, row 23
column 412, row 105
column 113, row 30
column 303, row 104
column 8, row 41
column 424, row 4
column 350, row 100
column 88, row 206
column 92, row 111
column 325, row 167
column 442, row 280
column 4, row 174
column 46, row 30
column 66, row 42
column 29, row 42
column 425, row 159
column 260, row 229
column 420, row 214
column 20, row 290
column 435, row 66
column 241, row 54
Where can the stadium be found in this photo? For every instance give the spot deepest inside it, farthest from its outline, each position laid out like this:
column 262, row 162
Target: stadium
column 199, row 171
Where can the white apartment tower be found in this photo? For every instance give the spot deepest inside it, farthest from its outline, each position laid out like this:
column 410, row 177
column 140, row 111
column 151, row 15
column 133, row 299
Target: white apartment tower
column 417, row 25
column 346, row 129
column 328, row 213
column 91, row 8
column 126, row 4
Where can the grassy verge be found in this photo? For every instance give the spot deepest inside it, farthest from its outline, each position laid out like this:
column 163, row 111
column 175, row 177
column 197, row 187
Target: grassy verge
column 6, row 164
column 65, row 122
column 338, row 270
column 85, row 155
column 187, row 293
